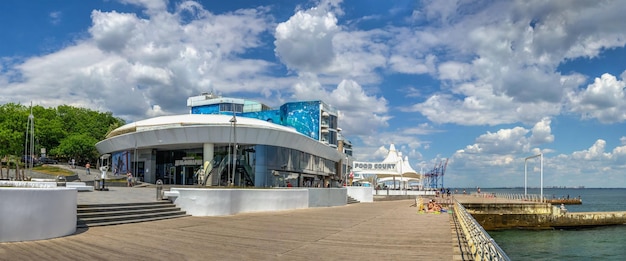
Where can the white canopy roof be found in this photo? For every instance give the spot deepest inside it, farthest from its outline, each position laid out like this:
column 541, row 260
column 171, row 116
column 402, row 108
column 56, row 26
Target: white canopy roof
column 404, row 169
column 392, row 156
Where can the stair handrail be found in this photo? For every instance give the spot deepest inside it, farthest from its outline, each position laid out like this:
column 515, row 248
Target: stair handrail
column 220, row 168
column 247, row 168
column 225, row 162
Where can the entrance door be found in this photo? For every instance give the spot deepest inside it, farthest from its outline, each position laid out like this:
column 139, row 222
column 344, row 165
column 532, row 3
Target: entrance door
column 188, row 173
column 138, row 169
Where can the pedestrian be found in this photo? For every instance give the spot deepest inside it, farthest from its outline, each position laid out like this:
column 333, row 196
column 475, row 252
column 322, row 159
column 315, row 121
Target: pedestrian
column 129, row 179
column 88, row 168
column 103, row 176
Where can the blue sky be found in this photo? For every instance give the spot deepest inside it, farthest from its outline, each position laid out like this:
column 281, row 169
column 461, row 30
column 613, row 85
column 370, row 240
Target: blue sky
column 482, row 83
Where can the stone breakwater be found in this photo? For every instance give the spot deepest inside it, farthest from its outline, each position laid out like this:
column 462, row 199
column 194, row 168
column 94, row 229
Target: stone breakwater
column 582, row 219
column 495, row 214
column 496, row 221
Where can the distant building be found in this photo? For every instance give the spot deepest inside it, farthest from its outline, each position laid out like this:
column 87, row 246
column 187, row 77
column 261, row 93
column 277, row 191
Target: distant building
column 299, row 142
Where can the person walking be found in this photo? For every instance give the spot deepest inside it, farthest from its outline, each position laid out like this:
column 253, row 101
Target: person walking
column 103, row 176
column 88, row 168
column 129, row 179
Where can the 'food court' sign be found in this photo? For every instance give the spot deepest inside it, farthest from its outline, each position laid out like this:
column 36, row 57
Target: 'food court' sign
column 374, row 167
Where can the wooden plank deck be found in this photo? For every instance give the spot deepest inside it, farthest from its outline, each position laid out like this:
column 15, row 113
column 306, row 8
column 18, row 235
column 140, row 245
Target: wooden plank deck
column 389, row 230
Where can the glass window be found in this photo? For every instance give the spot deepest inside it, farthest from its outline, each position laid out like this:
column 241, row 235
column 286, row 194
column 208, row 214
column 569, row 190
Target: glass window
column 333, row 122
column 224, row 107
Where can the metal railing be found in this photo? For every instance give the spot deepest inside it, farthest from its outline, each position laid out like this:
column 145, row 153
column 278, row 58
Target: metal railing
column 481, row 245
column 522, row 197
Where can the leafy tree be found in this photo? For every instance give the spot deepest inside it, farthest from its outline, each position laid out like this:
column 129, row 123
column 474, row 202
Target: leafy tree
column 13, row 119
column 78, row 146
column 49, row 130
column 64, row 131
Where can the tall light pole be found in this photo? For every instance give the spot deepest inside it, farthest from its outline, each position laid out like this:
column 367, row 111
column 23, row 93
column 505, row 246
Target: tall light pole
column 234, row 122
column 401, row 173
column 29, row 144
column 345, row 173
column 540, row 155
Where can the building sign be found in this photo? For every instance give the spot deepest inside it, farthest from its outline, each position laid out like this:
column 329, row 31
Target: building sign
column 375, row 167
column 188, row 161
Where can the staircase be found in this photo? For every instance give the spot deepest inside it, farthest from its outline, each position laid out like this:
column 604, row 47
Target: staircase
column 114, row 214
column 352, row 200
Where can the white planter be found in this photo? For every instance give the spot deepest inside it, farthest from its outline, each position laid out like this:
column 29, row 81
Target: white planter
column 36, row 213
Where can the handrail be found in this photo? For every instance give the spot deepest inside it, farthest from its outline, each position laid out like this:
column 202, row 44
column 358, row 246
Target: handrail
column 482, row 246
column 522, row 197
column 243, row 162
column 220, row 167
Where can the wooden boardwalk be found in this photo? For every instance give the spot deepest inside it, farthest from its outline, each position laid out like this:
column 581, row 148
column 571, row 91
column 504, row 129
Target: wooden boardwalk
column 389, row 230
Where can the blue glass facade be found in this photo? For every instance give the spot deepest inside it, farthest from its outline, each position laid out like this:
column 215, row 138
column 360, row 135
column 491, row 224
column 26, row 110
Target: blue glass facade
column 272, row 116
column 302, row 116
column 206, row 109
column 306, row 117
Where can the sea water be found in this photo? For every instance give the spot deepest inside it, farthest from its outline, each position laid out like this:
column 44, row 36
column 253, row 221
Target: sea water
column 599, row 243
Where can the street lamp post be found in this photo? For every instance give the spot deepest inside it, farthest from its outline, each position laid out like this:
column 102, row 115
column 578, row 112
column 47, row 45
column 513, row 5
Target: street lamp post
column 345, row 173
column 540, row 155
column 29, row 144
column 401, row 175
column 234, row 163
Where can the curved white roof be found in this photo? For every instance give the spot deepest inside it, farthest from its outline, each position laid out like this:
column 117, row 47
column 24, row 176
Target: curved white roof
column 164, row 122
column 193, row 130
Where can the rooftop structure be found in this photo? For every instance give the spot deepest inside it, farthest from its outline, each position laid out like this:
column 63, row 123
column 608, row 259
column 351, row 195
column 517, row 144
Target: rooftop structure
column 314, row 119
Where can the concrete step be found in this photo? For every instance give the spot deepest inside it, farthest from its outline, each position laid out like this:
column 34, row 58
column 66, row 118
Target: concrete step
column 352, row 200
column 91, row 208
column 120, row 222
column 114, row 214
column 125, row 212
column 134, row 204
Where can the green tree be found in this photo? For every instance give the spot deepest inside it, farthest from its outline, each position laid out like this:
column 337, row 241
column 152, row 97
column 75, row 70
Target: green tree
column 80, row 120
column 12, row 135
column 56, row 130
column 49, row 130
column 77, row 146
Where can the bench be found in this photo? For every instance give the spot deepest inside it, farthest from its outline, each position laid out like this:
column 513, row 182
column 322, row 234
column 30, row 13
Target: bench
column 43, row 180
column 80, row 186
column 28, row 184
column 172, row 195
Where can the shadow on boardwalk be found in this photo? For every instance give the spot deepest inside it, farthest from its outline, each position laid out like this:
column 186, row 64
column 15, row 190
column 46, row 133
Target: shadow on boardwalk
column 388, row 230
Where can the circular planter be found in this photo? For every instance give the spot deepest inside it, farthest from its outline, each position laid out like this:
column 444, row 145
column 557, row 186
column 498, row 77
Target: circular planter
column 36, row 213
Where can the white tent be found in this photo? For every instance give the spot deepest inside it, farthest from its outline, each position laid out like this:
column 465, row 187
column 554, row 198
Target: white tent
column 401, row 182
column 392, row 156
column 404, row 174
column 393, row 167
column 407, row 170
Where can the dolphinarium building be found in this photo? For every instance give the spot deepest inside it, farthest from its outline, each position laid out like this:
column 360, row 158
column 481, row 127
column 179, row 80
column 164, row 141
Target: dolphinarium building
column 231, row 141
